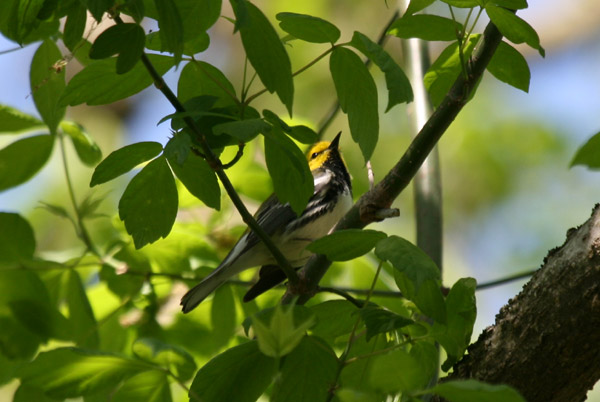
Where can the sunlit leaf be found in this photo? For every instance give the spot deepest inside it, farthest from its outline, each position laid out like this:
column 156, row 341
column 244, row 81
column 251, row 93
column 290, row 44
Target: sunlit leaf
column 88, row 151
column 425, row 26
column 200, row 78
column 351, row 77
column 239, row 374
column 223, row 317
column 398, row 85
column 508, row 65
column 74, row 25
column 147, row 386
column 171, row 27
column 334, row 318
column 513, row 27
column 70, row 372
column 265, row 51
column 397, row 371
column 172, row 357
column 345, row 245
column 308, row 28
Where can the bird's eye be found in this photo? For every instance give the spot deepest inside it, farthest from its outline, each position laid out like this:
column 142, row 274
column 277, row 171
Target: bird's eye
column 314, row 155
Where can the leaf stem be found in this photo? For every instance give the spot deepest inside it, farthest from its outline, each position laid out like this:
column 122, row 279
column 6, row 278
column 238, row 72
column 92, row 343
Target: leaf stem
column 80, row 227
column 306, row 67
column 459, row 39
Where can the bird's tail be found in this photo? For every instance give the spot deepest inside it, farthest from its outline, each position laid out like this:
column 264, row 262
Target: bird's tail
column 201, row 291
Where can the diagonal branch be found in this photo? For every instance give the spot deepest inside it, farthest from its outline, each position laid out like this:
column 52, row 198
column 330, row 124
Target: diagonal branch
column 398, row 178
column 218, row 167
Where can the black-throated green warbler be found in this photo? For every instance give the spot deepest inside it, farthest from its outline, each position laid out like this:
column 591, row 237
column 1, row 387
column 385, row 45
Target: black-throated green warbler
column 331, row 199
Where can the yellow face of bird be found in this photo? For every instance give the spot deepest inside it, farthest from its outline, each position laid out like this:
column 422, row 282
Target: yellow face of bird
column 318, row 154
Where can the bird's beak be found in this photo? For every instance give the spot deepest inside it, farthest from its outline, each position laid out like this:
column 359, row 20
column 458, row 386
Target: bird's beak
column 334, row 144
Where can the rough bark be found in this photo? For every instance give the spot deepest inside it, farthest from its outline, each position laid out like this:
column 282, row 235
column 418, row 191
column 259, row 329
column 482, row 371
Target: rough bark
column 546, row 340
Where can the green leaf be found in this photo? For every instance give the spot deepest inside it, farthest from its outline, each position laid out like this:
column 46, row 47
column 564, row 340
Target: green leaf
column 85, row 146
column 84, row 327
column 588, row 154
column 70, row 372
column 398, row 85
column 511, row 4
column 476, row 391
column 27, row 394
column 397, row 371
column 280, row 334
column 287, row 165
column 171, row 357
column 334, row 318
column 461, row 311
column 308, row 373
column 508, row 65
column 345, row 245
column 417, row 5
column 171, row 27
column 99, row 83
column 303, row 134
column 265, row 51
column 445, row 70
column 123, row 160
column 243, row 130
column 425, row 26
column 514, row 28
column 408, row 258
column 308, row 28
column 48, row 83
column 148, row 206
column 13, row 120
column 98, row 7
column 27, row 15
column 239, row 374
column 147, row 386
column 352, row 395
column 196, row 175
column 22, row 159
column 428, row 297
column 200, row 78
column 351, row 77
column 223, row 315
column 74, row 25
column 465, row 3
column 379, row 320
column 17, row 241
column 126, row 40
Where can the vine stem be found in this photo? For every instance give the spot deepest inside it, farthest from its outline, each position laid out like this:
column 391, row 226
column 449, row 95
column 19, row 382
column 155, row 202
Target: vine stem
column 81, row 230
column 344, row 357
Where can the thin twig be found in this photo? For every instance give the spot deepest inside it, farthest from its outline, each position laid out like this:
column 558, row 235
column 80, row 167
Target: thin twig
column 81, row 230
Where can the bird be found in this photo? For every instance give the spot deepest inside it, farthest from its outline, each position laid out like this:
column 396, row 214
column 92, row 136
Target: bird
column 331, row 199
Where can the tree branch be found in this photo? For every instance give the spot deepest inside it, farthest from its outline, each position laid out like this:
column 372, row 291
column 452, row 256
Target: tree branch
column 216, row 164
column 397, row 179
column 545, row 340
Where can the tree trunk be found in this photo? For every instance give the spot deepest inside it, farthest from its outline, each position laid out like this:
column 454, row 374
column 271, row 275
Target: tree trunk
column 546, row 340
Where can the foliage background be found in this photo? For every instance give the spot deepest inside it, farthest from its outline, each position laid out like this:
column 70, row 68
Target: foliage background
column 509, row 195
